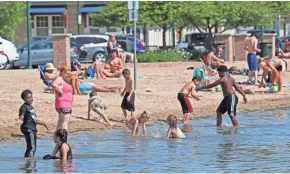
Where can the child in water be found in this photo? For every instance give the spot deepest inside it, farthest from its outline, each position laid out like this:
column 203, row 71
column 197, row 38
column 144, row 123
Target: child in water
column 27, row 115
column 134, row 122
column 98, row 106
column 174, row 131
column 183, row 95
column 230, row 100
column 61, row 146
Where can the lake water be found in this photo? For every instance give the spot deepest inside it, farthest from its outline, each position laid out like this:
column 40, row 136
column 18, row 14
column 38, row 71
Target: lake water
column 260, row 144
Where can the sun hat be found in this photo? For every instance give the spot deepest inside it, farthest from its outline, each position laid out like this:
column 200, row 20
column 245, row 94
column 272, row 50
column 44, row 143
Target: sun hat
column 49, row 66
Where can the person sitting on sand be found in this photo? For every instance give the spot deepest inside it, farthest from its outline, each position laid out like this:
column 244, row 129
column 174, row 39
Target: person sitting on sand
column 112, row 44
column 276, row 67
column 72, row 79
column 49, row 68
column 182, row 96
column 99, row 106
column 173, row 131
column 134, row 122
column 230, row 101
column 111, row 68
column 114, row 65
column 211, row 59
column 61, row 146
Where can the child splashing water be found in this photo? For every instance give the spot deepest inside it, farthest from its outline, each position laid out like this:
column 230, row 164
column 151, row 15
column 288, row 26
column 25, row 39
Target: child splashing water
column 134, row 122
column 173, row 131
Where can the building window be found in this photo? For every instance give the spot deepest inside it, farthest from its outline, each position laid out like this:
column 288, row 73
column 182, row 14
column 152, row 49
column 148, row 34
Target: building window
column 42, row 25
column 57, row 25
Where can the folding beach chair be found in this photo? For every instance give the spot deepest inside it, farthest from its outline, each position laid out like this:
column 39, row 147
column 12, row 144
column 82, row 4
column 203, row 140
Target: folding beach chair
column 48, row 87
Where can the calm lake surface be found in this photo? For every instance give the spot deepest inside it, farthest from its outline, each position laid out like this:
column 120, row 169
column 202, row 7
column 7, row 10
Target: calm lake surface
column 260, row 144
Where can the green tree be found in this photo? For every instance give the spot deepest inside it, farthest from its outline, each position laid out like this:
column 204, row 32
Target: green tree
column 161, row 13
column 11, row 15
column 115, row 14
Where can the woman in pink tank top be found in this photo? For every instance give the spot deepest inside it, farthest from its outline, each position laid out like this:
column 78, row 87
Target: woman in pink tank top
column 63, row 99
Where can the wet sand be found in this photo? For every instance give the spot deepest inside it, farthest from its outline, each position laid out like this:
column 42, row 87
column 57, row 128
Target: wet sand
column 156, row 93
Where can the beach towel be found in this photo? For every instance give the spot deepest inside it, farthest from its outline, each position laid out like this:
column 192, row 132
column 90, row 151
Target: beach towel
column 86, row 87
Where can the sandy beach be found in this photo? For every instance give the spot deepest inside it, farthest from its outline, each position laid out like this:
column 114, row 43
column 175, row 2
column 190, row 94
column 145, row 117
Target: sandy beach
column 156, row 92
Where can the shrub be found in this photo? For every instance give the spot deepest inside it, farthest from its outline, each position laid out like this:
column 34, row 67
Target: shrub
column 164, row 56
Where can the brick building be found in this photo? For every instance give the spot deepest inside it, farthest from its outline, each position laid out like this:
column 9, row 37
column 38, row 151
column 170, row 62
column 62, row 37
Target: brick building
column 57, row 17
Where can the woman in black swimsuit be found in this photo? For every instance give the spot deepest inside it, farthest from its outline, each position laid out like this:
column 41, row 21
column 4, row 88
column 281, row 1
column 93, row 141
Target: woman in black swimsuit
column 61, row 146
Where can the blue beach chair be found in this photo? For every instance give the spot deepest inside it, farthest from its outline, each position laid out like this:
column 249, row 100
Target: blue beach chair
column 47, row 83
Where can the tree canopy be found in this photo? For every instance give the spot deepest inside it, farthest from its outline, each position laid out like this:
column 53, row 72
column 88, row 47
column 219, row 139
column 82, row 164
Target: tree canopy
column 12, row 13
column 203, row 15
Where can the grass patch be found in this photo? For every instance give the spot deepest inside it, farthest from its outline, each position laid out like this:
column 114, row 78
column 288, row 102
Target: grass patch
column 164, row 56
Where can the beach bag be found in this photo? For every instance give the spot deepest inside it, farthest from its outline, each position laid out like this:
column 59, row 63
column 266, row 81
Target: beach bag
column 90, row 72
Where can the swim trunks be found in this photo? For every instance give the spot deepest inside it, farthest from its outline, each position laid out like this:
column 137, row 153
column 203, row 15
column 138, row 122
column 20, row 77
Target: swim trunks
column 229, row 104
column 253, row 62
column 185, row 103
column 128, row 105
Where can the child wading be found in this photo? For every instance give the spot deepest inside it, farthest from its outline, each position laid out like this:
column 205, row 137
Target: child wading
column 174, row 131
column 27, row 115
column 183, row 98
column 134, row 122
column 98, row 106
column 61, row 146
column 230, row 101
column 129, row 97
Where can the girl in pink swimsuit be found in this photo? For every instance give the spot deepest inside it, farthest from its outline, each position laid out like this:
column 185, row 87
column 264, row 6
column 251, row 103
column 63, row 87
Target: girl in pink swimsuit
column 63, row 99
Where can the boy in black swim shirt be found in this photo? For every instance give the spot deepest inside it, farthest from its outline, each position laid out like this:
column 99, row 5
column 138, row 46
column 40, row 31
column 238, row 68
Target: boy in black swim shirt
column 230, row 101
column 27, row 115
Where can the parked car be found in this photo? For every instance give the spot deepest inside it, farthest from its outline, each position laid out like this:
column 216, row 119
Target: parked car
column 266, row 31
column 195, row 38
column 94, row 44
column 140, row 45
column 41, row 53
column 9, row 51
column 35, row 39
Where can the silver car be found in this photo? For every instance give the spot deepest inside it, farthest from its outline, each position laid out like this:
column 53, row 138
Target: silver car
column 95, row 46
column 41, row 53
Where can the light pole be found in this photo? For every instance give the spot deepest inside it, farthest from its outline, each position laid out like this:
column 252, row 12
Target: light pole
column 29, row 65
column 79, row 17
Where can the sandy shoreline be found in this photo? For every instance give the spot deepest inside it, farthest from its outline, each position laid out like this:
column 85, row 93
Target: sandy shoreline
column 163, row 82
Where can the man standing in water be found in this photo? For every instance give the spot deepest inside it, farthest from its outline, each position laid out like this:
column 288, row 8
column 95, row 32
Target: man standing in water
column 251, row 47
column 230, row 101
